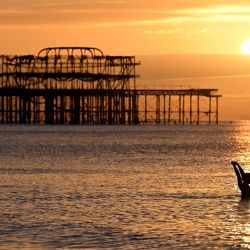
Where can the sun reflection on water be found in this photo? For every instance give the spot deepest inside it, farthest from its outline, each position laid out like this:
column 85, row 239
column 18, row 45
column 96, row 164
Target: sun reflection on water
column 239, row 224
column 238, row 216
column 241, row 144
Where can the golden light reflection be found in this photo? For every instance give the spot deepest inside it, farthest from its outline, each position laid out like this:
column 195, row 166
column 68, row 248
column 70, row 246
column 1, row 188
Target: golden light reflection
column 238, row 224
column 242, row 223
column 241, row 145
column 239, row 219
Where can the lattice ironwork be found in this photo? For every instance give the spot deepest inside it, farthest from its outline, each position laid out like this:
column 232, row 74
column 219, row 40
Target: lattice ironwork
column 81, row 85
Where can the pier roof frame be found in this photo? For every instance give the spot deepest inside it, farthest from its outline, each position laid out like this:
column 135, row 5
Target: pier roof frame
column 70, row 51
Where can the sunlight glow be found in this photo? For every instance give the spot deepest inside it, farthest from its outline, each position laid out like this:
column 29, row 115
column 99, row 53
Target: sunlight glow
column 245, row 47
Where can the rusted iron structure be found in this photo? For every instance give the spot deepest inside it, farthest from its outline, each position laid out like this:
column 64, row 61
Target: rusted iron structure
column 81, row 85
column 193, row 106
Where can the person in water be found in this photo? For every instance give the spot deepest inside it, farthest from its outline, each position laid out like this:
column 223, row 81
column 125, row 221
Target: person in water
column 243, row 179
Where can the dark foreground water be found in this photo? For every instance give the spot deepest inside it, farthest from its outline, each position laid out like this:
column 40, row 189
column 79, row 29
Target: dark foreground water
column 123, row 187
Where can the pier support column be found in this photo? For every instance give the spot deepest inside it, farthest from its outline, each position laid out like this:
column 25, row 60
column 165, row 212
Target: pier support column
column 49, row 110
column 190, row 109
column 217, row 110
column 62, row 109
column 164, row 109
column 24, row 105
column 210, row 111
column 75, row 110
column 158, row 109
column 123, row 108
column 135, row 109
column 198, row 110
column 2, row 110
column 183, row 109
column 16, row 109
column 110, row 117
column 169, row 108
column 179, row 108
column 83, row 110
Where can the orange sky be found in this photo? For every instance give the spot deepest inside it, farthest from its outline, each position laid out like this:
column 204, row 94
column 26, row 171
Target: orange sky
column 229, row 73
column 145, row 27
column 125, row 26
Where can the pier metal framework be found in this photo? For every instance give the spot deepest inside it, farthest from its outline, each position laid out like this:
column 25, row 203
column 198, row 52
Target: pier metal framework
column 81, row 85
column 193, row 106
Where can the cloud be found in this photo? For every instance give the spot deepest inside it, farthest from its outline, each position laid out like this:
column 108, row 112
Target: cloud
column 114, row 13
column 173, row 31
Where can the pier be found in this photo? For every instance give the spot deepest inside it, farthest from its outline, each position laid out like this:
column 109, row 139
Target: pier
column 81, row 85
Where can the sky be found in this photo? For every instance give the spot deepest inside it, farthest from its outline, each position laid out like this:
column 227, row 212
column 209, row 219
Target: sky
column 229, row 73
column 125, row 26
column 149, row 29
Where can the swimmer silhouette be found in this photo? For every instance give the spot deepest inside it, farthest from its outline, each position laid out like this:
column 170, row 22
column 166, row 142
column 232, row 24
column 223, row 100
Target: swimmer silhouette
column 243, row 179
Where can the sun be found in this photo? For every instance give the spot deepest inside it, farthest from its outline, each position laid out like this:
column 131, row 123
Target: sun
column 245, row 47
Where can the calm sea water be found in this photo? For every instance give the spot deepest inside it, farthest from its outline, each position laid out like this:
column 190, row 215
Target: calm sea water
column 123, row 187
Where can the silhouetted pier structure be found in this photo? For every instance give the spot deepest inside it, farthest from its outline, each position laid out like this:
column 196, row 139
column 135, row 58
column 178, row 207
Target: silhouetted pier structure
column 78, row 85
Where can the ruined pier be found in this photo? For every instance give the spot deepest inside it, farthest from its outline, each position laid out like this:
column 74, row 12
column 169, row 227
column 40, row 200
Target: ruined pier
column 81, row 85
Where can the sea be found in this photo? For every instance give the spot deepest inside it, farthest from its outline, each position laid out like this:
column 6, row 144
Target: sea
column 123, row 187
